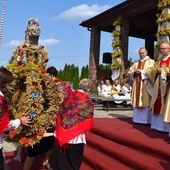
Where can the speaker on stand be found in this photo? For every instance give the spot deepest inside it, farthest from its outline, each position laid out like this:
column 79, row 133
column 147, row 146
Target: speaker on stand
column 107, row 58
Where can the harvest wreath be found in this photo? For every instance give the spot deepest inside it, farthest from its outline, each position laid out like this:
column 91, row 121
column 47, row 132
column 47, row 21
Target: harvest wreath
column 116, row 44
column 33, row 93
column 163, row 4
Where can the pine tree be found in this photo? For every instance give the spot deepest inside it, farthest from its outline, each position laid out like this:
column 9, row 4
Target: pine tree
column 76, row 78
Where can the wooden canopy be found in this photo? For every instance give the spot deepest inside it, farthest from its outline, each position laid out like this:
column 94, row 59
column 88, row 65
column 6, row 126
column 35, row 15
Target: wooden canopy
column 140, row 13
column 139, row 21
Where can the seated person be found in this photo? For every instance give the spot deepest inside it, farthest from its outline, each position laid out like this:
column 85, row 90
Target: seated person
column 116, row 92
column 126, row 90
column 106, row 89
column 99, row 87
column 116, row 88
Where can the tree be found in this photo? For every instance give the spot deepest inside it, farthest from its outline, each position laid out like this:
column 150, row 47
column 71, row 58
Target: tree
column 70, row 73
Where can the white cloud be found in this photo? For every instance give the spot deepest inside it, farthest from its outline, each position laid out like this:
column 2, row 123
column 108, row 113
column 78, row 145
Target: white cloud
column 82, row 12
column 46, row 42
column 14, row 43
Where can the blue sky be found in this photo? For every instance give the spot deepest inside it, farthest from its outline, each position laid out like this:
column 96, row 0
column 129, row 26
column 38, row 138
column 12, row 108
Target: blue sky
column 62, row 36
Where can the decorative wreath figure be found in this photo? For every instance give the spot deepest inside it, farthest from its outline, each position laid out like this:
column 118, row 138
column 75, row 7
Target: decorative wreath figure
column 117, row 51
column 33, row 92
column 31, row 53
column 163, row 21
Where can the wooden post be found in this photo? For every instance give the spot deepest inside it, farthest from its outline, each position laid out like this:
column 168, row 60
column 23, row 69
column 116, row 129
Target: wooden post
column 94, row 56
column 124, row 40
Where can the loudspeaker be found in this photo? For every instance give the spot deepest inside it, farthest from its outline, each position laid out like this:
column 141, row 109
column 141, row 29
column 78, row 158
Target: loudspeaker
column 107, row 57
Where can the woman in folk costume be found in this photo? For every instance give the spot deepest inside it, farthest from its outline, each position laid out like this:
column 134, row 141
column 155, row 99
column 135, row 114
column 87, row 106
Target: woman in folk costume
column 142, row 88
column 74, row 120
column 53, row 72
column 160, row 71
column 6, row 77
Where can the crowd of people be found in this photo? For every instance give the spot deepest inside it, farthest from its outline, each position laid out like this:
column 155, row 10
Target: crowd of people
column 150, row 89
column 115, row 90
column 63, row 143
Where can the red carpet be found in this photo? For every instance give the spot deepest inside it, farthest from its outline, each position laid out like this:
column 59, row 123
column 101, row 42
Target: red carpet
column 14, row 165
column 118, row 144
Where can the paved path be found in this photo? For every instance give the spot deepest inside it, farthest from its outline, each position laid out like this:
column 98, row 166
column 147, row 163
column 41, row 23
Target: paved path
column 111, row 113
column 98, row 113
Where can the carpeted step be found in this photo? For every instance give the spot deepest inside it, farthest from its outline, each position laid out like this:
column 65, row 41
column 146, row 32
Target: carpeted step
column 119, row 142
column 149, row 146
column 139, row 137
column 15, row 165
column 98, row 160
column 86, row 166
column 126, row 155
